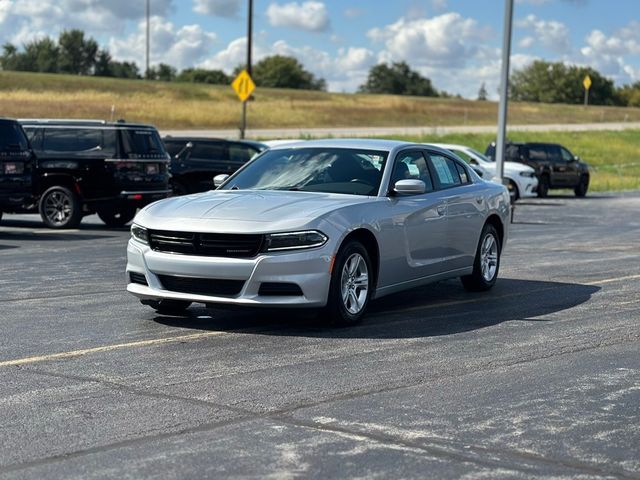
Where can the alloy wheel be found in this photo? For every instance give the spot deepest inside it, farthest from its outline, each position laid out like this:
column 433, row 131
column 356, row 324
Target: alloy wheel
column 354, row 283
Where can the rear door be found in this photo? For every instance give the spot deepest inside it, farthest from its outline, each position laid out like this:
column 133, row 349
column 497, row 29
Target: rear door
column 464, row 210
column 208, row 159
column 572, row 170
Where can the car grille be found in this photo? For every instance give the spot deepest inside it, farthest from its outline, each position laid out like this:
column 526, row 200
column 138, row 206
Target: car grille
column 206, row 244
column 201, row 286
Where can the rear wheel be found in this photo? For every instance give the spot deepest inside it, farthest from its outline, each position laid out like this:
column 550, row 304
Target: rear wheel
column 60, row 208
column 543, row 186
column 486, row 263
column 351, row 285
column 167, row 307
column 117, row 218
column 514, row 194
column 582, row 187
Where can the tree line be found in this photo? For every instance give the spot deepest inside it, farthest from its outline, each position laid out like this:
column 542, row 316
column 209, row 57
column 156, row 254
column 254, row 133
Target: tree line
column 75, row 53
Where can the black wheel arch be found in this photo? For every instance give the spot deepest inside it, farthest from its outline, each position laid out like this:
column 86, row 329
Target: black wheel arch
column 370, row 243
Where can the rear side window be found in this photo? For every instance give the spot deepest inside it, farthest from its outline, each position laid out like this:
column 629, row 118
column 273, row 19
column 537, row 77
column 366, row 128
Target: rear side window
column 446, row 171
column 512, row 153
column 143, row 143
column 12, row 137
column 537, row 153
column 173, row 148
column 464, row 177
column 86, row 141
column 209, row 151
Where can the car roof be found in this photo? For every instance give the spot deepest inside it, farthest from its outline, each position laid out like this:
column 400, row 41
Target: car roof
column 7, row 120
column 354, row 143
column 170, row 138
column 62, row 122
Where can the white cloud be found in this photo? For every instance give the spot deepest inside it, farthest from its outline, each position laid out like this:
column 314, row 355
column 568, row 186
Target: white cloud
column 218, row 8
column 526, row 42
column 182, row 47
column 447, row 40
column 551, row 34
column 312, row 16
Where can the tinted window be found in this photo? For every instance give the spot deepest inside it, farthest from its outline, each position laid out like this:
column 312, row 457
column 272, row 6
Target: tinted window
column 90, row 141
column 142, row 143
column 537, row 153
column 567, row 156
column 512, row 153
column 553, row 153
column 241, row 153
column 446, row 172
column 12, row 137
column 174, row 147
column 209, row 151
column 330, row 170
column 413, row 166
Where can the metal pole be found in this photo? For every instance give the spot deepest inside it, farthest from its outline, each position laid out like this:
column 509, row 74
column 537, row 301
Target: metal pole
column 504, row 89
column 243, row 127
column 148, row 14
column 586, row 97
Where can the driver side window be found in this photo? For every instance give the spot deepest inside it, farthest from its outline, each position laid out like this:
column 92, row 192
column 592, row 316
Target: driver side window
column 412, row 166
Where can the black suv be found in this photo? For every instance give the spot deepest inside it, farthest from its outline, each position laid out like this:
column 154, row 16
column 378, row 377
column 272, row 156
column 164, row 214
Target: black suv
column 195, row 161
column 555, row 165
column 86, row 167
column 16, row 167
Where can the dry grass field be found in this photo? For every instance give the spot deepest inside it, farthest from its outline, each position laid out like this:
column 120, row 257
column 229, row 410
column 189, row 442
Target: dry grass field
column 185, row 105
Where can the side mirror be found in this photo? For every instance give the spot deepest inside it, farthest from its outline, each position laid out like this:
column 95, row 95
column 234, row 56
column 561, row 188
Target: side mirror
column 576, row 158
column 189, row 145
column 219, row 179
column 409, row 187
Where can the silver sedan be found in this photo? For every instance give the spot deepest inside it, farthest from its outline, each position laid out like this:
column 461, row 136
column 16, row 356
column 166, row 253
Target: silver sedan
column 328, row 224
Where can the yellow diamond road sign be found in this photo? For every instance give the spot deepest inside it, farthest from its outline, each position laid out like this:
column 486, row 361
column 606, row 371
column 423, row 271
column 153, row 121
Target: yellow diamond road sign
column 587, row 82
column 243, row 85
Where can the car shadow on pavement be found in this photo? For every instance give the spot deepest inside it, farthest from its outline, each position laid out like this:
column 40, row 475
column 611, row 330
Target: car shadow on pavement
column 443, row 308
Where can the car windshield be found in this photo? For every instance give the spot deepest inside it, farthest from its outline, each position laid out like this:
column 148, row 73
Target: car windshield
column 328, row 170
column 12, row 137
column 481, row 156
column 142, row 143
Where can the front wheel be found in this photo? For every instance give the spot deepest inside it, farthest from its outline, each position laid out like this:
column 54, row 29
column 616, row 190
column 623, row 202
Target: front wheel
column 351, row 285
column 117, row 218
column 60, row 208
column 486, row 263
column 582, row 187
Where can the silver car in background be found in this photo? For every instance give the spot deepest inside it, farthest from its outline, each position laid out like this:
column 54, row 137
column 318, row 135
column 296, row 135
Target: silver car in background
column 327, row 224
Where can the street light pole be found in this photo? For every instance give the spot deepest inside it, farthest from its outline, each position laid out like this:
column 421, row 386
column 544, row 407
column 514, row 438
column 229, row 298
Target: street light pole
column 148, row 15
column 504, row 89
column 243, row 127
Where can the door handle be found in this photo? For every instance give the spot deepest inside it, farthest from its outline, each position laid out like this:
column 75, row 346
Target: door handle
column 441, row 209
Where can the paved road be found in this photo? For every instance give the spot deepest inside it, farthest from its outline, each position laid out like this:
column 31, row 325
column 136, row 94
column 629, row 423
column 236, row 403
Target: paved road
column 540, row 377
column 381, row 131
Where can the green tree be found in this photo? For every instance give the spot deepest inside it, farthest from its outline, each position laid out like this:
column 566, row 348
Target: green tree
column 162, row 72
column 629, row 95
column 397, row 79
column 549, row 82
column 77, row 53
column 279, row 71
column 200, row 75
column 125, row 70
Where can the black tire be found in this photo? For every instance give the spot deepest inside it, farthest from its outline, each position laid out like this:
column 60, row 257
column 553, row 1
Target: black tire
column 543, row 186
column 60, row 208
column 582, row 187
column 117, row 218
column 514, row 194
column 478, row 281
column 167, row 307
column 336, row 313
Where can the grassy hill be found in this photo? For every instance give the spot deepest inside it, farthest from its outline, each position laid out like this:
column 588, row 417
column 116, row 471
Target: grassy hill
column 186, row 105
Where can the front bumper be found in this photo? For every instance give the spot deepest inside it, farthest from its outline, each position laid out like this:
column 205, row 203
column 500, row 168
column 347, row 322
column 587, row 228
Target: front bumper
column 527, row 186
column 310, row 270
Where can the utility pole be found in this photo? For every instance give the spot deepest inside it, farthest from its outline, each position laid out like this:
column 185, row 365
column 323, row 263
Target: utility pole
column 504, row 89
column 148, row 15
column 243, row 127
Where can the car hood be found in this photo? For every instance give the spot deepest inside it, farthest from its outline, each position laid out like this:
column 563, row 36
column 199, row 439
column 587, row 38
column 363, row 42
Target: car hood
column 510, row 167
column 243, row 210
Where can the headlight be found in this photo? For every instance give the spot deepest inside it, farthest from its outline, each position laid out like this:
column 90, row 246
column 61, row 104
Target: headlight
column 527, row 174
column 140, row 234
column 294, row 240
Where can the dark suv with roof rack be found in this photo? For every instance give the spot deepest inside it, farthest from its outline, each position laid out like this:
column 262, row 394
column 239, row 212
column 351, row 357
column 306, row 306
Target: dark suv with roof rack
column 555, row 165
column 86, row 166
column 16, row 167
column 195, row 161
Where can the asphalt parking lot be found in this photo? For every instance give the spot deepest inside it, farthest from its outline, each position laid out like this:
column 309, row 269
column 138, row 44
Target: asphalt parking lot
column 539, row 377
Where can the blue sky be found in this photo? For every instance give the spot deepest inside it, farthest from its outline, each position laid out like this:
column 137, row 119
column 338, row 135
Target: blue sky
column 454, row 42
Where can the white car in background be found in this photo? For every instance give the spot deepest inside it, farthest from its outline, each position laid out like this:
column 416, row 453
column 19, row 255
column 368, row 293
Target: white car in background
column 521, row 180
